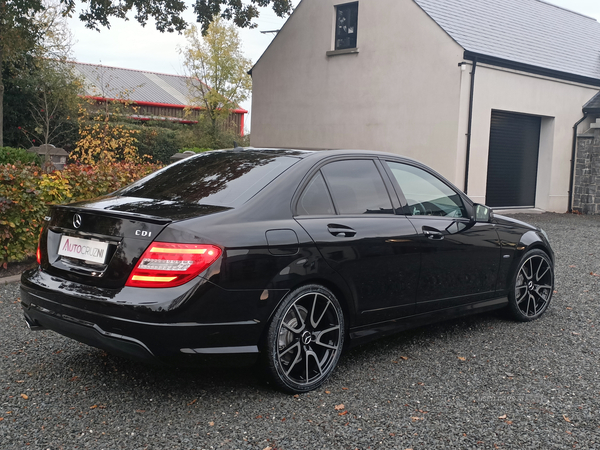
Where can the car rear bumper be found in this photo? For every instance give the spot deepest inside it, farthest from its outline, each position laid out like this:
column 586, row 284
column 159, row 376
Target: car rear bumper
column 179, row 342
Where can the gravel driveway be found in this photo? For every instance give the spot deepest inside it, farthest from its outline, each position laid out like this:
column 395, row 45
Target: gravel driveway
column 481, row 382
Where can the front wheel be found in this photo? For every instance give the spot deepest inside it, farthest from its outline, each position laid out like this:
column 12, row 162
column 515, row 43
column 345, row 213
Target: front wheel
column 305, row 339
column 532, row 286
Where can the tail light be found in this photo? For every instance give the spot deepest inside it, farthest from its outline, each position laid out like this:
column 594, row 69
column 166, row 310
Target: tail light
column 38, row 253
column 168, row 265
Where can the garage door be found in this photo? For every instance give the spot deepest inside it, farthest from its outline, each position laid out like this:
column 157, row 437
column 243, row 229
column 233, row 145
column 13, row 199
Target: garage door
column 513, row 160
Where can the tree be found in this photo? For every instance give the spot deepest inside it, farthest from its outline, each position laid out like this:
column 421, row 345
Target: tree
column 18, row 35
column 166, row 12
column 54, row 103
column 217, row 71
column 240, row 13
column 17, row 25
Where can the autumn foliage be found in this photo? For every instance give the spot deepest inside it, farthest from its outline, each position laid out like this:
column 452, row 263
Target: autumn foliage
column 25, row 192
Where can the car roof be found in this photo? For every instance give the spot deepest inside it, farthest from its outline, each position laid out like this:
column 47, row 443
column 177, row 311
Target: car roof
column 326, row 153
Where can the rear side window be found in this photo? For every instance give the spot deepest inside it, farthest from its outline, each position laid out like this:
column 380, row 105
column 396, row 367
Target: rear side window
column 357, row 188
column 315, row 199
column 221, row 178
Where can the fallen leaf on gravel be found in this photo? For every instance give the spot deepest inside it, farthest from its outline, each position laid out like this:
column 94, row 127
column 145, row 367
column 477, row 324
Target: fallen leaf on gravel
column 566, row 418
column 572, row 265
column 462, row 358
column 268, row 448
column 344, row 389
column 20, row 381
column 211, row 424
column 503, row 416
column 574, row 333
column 327, row 392
column 93, row 406
column 1, row 419
column 296, row 396
column 192, row 402
column 414, row 418
column 339, row 407
column 569, row 308
column 343, row 413
column 509, row 422
column 594, row 274
column 24, row 396
column 404, row 357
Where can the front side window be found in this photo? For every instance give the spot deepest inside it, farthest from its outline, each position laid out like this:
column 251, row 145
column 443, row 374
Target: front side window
column 346, row 21
column 425, row 194
column 357, row 187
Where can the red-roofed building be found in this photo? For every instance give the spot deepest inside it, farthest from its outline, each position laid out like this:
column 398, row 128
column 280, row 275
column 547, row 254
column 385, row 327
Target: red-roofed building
column 158, row 96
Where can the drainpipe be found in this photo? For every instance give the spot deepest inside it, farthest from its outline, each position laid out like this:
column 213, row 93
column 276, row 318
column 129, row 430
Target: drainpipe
column 468, row 157
column 573, row 155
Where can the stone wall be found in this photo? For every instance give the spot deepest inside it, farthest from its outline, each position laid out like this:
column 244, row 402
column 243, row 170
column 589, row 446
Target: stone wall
column 586, row 191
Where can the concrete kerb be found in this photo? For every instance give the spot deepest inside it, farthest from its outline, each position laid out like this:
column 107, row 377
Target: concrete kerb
column 11, row 279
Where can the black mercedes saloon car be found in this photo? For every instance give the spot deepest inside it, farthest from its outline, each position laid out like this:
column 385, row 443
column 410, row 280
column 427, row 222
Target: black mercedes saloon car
column 282, row 256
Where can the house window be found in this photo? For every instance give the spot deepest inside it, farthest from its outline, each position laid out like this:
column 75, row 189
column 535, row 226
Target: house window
column 346, row 20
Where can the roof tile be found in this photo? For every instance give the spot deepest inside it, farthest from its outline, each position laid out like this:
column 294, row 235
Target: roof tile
column 530, row 32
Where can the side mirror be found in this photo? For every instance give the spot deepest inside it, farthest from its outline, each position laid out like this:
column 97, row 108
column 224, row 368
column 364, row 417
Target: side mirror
column 482, row 213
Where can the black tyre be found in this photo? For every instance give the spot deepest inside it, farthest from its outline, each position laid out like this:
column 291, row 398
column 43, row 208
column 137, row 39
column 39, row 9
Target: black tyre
column 532, row 286
column 305, row 339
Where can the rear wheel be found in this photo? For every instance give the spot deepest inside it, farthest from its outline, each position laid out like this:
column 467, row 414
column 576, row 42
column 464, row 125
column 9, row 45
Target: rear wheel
column 532, row 286
column 305, row 339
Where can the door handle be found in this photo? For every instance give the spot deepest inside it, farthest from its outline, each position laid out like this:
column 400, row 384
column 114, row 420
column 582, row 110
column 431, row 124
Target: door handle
column 341, row 231
column 433, row 233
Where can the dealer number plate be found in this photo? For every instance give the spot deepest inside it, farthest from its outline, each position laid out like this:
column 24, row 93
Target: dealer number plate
column 84, row 249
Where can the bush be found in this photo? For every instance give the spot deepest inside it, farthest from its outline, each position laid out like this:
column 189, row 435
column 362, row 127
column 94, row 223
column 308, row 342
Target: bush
column 9, row 155
column 87, row 182
column 21, row 211
column 158, row 142
column 25, row 192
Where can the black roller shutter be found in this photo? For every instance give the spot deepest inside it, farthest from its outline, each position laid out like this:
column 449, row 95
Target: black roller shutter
column 513, row 160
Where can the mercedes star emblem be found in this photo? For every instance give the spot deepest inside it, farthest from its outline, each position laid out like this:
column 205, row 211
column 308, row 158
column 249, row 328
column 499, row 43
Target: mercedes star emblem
column 76, row 220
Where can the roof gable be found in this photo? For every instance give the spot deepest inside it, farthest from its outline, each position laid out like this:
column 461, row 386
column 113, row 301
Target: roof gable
column 529, row 32
column 593, row 106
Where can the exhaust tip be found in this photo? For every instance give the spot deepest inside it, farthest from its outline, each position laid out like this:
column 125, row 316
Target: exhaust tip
column 33, row 325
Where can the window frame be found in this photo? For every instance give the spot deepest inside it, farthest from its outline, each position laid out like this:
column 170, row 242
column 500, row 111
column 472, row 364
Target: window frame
column 345, row 6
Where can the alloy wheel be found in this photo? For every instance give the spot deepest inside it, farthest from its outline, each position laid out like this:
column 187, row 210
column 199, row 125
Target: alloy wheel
column 309, row 340
column 534, row 286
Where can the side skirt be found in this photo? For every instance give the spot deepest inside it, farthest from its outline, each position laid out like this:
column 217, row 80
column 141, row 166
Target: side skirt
column 363, row 334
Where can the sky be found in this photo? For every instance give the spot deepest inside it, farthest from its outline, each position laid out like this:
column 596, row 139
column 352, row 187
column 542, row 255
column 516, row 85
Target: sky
column 129, row 45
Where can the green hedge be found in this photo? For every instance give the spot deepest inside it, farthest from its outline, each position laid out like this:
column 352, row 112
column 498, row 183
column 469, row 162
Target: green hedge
column 9, row 155
column 25, row 192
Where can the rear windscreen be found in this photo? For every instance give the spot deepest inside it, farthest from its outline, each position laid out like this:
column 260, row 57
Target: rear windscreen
column 223, row 178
